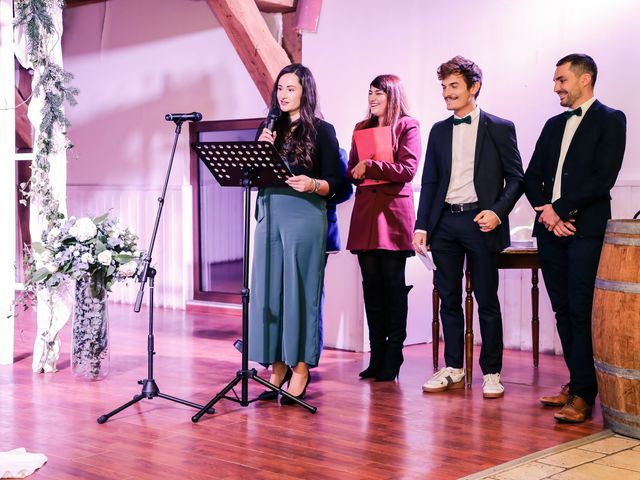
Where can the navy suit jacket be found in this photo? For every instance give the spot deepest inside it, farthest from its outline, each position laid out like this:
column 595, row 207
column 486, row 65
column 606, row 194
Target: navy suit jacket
column 341, row 194
column 589, row 171
column 497, row 178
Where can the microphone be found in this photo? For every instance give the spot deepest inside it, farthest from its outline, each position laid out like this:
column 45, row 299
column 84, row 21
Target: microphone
column 183, row 117
column 272, row 118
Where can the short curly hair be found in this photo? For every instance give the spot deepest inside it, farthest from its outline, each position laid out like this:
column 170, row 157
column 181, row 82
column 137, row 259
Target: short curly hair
column 459, row 65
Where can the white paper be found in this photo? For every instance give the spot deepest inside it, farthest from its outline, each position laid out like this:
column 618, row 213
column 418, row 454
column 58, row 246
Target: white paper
column 19, row 463
column 426, row 258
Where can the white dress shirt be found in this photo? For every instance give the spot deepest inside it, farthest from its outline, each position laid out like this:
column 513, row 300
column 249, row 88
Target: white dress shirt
column 463, row 155
column 569, row 131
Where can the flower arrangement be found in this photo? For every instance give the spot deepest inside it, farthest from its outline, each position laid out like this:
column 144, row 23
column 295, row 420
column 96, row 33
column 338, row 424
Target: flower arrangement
column 80, row 249
column 95, row 253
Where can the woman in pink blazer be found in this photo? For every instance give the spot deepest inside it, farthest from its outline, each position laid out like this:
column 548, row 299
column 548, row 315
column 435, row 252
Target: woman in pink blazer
column 382, row 225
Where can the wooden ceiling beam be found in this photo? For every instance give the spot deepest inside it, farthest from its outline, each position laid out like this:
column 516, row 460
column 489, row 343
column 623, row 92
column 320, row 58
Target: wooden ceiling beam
column 261, row 55
column 276, row 6
column 291, row 37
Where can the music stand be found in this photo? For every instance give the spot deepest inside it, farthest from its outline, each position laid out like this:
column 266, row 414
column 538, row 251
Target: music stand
column 245, row 164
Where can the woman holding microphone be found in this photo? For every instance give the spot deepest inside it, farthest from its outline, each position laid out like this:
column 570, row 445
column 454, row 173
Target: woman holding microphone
column 290, row 237
column 383, row 220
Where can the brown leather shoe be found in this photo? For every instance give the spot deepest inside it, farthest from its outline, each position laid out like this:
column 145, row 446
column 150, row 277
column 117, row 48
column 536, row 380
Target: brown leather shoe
column 556, row 400
column 576, row 410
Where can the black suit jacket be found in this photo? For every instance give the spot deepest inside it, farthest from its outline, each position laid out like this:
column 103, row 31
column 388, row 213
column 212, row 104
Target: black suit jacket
column 589, row 172
column 497, row 176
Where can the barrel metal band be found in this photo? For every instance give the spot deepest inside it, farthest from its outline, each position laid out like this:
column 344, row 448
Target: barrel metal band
column 627, row 417
column 623, row 226
column 633, row 242
column 621, row 422
column 616, row 371
column 625, row 287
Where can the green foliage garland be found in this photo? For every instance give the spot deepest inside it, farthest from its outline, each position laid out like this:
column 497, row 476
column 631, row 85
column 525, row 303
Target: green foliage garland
column 35, row 15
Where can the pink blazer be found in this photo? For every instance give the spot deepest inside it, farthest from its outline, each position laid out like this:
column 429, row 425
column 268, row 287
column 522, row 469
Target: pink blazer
column 384, row 216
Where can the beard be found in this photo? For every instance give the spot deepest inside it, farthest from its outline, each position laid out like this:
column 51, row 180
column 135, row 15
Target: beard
column 570, row 98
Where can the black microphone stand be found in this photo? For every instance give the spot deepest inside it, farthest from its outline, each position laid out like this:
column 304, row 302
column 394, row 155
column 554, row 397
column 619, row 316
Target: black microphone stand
column 150, row 389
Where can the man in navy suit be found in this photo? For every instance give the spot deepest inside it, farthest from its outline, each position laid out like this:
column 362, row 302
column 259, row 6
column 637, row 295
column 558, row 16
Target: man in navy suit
column 573, row 168
column 472, row 179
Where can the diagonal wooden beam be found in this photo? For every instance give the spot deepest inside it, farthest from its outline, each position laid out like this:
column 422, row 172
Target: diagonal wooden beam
column 291, row 37
column 276, row 6
column 24, row 138
column 24, row 130
column 261, row 55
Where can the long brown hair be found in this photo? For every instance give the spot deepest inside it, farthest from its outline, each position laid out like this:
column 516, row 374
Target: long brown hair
column 397, row 105
column 296, row 141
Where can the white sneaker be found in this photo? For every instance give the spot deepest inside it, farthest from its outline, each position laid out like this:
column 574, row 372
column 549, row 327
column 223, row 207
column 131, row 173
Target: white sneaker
column 491, row 386
column 445, row 379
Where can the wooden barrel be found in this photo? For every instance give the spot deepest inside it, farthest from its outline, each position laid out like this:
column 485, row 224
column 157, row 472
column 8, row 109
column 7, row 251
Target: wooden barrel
column 616, row 327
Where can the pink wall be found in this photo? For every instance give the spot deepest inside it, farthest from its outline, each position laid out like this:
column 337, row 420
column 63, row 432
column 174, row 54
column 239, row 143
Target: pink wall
column 134, row 61
column 516, row 43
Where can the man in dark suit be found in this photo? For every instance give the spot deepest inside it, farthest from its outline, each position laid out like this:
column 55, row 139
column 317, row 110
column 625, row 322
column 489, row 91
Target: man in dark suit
column 472, row 179
column 573, row 168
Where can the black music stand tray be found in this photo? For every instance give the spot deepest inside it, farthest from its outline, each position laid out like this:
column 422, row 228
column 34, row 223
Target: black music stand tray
column 245, row 164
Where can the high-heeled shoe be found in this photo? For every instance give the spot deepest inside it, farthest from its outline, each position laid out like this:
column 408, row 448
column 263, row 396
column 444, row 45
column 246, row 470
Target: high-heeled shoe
column 387, row 375
column 369, row 372
column 287, row 401
column 272, row 394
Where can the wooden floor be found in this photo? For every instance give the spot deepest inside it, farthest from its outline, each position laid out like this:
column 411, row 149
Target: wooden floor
column 362, row 430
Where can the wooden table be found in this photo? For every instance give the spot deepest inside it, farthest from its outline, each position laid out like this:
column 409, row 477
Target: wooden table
column 511, row 258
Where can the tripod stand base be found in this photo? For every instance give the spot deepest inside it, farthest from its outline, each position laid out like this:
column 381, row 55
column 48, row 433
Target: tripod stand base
column 244, row 376
column 150, row 391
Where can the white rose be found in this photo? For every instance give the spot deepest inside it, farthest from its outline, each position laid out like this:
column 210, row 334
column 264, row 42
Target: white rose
column 128, row 269
column 53, row 233
column 105, row 257
column 87, row 258
column 52, row 267
column 84, row 229
column 45, row 257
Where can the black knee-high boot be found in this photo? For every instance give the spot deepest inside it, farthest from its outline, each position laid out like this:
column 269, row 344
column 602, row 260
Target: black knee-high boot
column 375, row 308
column 395, row 331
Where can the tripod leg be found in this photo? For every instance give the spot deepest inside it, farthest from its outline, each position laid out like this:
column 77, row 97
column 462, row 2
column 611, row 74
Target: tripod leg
column 217, row 398
column 299, row 401
column 185, row 402
column 104, row 418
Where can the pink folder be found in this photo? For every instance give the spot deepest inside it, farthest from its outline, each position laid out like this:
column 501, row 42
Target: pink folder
column 374, row 143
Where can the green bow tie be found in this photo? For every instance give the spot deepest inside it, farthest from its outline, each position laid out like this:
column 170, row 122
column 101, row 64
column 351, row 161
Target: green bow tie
column 458, row 121
column 569, row 113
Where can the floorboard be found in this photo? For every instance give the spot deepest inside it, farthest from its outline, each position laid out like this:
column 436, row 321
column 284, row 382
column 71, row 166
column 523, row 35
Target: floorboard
column 363, row 430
